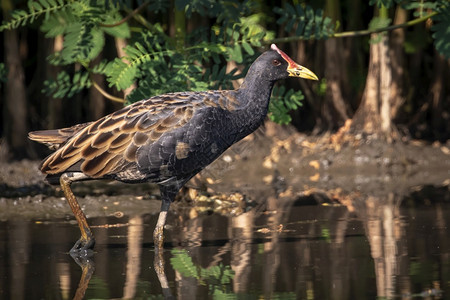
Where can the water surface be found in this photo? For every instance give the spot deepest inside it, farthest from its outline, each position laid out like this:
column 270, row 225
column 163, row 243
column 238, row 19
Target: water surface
column 391, row 247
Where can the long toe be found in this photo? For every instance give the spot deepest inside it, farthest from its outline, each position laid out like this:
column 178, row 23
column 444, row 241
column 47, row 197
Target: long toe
column 83, row 247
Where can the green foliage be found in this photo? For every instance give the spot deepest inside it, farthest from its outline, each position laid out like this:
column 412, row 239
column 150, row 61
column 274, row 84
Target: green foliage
column 82, row 43
column 421, row 8
column 157, row 62
column 182, row 262
column 66, row 85
column 325, row 234
column 385, row 3
column 123, row 71
column 377, row 23
column 3, row 73
column 98, row 288
column 321, row 88
column 441, row 28
column 57, row 23
column 35, row 10
column 153, row 60
column 217, row 278
column 282, row 103
column 306, row 23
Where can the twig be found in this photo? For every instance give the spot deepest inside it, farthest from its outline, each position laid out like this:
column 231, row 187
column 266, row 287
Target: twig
column 105, row 94
column 129, row 16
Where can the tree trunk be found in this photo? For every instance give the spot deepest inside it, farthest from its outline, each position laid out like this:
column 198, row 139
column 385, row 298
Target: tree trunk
column 382, row 222
column 120, row 44
column 55, row 106
column 96, row 100
column 15, row 102
column 397, row 55
column 436, row 97
column 314, row 114
column 373, row 114
column 335, row 108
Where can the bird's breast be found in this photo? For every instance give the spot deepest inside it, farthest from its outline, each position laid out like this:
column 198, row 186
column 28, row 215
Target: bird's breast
column 184, row 151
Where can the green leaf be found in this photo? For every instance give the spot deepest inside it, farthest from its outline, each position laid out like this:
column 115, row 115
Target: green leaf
column 35, row 10
column 380, row 3
column 282, row 103
column 3, row 73
column 306, row 22
column 120, row 74
column 235, row 53
column 58, row 22
column 83, row 42
column 441, row 29
column 121, row 31
column 248, row 48
column 100, row 68
column 66, row 86
column 379, row 22
column 182, row 263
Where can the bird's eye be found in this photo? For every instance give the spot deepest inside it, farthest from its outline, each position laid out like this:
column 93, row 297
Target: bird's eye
column 276, row 62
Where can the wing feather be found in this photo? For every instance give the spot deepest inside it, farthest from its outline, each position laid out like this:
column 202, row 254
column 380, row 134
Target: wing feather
column 109, row 144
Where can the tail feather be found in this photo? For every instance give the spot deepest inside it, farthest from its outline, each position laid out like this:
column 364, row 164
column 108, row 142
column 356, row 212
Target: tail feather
column 55, row 138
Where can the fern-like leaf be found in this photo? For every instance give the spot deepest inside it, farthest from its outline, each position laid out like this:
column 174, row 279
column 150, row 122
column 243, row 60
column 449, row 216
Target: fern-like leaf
column 182, row 262
column 282, row 103
column 83, row 42
column 66, row 86
column 122, row 74
column 304, row 21
column 35, row 10
column 58, row 22
column 121, row 31
column 441, row 30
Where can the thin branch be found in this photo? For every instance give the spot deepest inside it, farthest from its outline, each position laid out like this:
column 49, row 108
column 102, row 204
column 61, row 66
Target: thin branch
column 357, row 33
column 389, row 28
column 105, row 94
column 129, row 16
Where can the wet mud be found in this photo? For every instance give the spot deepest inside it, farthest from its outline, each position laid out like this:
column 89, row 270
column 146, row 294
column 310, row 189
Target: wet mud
column 278, row 163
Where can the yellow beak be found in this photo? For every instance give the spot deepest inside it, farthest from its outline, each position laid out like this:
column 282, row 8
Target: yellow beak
column 296, row 70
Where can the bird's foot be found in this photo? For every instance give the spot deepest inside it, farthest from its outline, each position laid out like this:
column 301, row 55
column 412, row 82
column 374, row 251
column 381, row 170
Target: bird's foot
column 83, row 247
column 84, row 261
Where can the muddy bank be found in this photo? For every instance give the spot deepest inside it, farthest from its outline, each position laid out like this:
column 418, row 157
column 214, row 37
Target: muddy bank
column 280, row 163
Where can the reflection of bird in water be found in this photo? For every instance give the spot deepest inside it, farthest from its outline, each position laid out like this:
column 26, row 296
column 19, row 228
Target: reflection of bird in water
column 166, row 139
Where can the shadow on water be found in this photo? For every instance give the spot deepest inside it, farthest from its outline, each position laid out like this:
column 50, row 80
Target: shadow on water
column 390, row 246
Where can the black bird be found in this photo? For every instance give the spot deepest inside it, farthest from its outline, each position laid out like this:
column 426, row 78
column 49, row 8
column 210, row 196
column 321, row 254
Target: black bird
column 166, row 139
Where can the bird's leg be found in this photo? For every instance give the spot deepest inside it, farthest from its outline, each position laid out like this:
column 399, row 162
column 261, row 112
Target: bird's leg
column 87, row 268
column 158, row 233
column 168, row 194
column 158, row 238
column 158, row 264
column 87, row 240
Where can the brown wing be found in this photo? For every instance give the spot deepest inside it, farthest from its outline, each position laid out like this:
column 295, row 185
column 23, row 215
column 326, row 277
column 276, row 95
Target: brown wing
column 109, row 144
column 57, row 137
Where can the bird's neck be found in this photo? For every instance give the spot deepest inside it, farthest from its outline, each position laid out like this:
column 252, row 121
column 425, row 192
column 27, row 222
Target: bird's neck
column 255, row 94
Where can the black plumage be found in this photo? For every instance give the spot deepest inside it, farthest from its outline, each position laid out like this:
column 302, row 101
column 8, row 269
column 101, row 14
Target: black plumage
column 166, row 139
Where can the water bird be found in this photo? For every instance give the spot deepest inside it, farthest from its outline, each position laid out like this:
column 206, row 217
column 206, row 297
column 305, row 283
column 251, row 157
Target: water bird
column 165, row 139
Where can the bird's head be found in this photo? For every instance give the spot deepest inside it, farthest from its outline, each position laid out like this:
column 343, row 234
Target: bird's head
column 274, row 64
